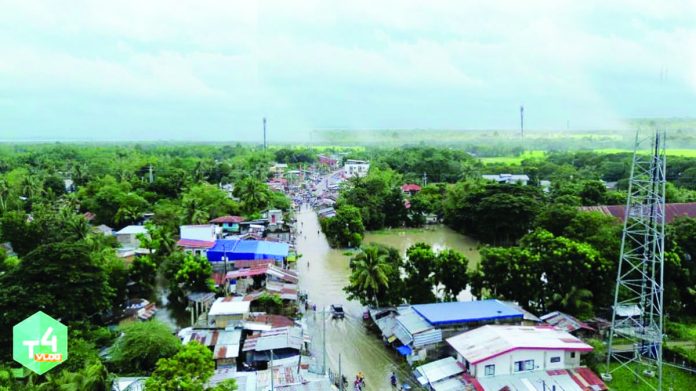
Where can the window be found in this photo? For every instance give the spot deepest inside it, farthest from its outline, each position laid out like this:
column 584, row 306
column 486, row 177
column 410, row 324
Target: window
column 572, row 354
column 489, row 370
column 519, row 365
column 529, row 365
column 556, row 359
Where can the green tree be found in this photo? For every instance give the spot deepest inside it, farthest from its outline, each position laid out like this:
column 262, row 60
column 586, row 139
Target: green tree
column 369, row 275
column 187, row 370
column 203, row 202
column 143, row 273
column 451, row 269
column 93, row 377
column 420, row 266
column 253, row 194
column 345, row 229
column 141, row 345
column 194, row 274
column 593, row 193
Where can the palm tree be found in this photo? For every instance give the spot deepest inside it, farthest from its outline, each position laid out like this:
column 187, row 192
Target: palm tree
column 370, row 272
column 253, row 194
column 31, row 186
column 577, row 302
column 127, row 214
column 4, row 194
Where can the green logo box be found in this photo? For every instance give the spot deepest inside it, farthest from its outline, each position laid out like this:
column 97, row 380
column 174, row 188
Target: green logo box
column 40, row 343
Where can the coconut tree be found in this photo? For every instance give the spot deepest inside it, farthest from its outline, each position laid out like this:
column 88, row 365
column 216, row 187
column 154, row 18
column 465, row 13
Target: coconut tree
column 253, row 194
column 576, row 301
column 370, row 272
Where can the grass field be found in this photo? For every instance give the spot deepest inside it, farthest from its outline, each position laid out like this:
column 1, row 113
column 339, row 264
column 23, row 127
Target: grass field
column 513, row 159
column 672, row 377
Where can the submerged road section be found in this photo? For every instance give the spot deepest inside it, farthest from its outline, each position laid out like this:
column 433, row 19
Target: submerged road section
column 323, row 274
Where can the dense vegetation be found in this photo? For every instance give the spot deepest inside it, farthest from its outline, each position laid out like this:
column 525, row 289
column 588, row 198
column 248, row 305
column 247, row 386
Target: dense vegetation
column 59, row 258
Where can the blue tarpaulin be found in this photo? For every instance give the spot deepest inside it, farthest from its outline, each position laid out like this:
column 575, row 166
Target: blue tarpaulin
column 236, row 250
column 438, row 314
column 405, row 350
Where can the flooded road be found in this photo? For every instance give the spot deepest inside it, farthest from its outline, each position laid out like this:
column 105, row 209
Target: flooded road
column 323, row 274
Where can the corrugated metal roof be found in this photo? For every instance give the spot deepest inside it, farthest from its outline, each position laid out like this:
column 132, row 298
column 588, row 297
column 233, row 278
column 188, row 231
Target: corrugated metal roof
column 672, row 211
column 280, row 338
column 487, row 342
column 455, row 312
column 412, row 321
column 440, row 369
column 565, row 321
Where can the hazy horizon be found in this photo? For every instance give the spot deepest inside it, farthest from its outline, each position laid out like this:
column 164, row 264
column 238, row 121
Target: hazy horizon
column 210, row 70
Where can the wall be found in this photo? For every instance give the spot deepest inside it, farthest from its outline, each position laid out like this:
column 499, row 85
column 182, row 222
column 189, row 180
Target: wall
column 504, row 364
column 197, row 232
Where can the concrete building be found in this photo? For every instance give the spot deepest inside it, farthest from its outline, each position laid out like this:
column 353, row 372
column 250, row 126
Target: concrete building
column 356, row 168
column 128, row 236
column 227, row 311
column 517, row 357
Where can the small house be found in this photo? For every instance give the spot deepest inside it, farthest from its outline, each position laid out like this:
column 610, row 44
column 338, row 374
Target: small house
column 356, row 168
column 227, row 311
column 128, row 236
column 228, row 224
column 508, row 178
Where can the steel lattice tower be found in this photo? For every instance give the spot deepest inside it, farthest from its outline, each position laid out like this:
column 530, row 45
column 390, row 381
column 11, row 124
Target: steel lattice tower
column 637, row 318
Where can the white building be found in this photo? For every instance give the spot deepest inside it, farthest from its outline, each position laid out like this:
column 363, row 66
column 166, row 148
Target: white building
column 128, row 236
column 206, row 232
column 505, row 350
column 356, row 168
column 508, row 178
column 227, row 311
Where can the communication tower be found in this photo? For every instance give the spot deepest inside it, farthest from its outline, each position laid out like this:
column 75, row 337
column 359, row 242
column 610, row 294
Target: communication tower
column 635, row 340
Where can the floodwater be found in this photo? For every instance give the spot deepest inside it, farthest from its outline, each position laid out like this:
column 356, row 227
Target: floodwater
column 323, row 274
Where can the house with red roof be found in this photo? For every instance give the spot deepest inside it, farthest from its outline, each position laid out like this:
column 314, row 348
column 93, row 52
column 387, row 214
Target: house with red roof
column 410, row 188
column 228, row 224
column 495, row 357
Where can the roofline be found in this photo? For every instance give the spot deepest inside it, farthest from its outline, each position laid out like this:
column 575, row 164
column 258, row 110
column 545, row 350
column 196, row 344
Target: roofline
column 459, row 321
column 587, row 349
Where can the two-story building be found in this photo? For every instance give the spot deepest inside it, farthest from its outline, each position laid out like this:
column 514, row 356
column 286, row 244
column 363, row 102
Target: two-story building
column 356, row 168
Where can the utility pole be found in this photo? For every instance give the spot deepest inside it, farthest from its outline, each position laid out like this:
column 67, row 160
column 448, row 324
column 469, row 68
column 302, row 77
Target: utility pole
column 264, row 133
column 323, row 340
column 271, row 369
column 521, row 121
column 340, row 374
column 150, row 172
column 425, row 179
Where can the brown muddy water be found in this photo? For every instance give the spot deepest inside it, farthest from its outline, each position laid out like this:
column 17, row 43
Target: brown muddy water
column 323, row 274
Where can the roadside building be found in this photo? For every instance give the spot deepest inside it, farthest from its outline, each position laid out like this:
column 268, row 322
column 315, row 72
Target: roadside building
column 356, row 168
column 440, row 375
column 330, row 161
column 225, row 343
column 508, row 178
column 457, row 316
column 415, row 334
column 496, row 357
column 237, row 250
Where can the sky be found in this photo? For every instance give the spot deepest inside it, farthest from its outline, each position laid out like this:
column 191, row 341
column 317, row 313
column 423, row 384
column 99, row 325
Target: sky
column 209, row 70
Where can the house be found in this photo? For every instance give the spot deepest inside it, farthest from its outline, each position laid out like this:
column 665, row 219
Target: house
column 227, row 311
column 228, row 224
column 103, row 229
column 410, row 188
column 274, row 216
column 672, row 211
column 509, row 356
column 278, row 168
column 568, row 323
column 69, row 185
column 508, row 178
column 415, row 335
column 441, row 374
column 224, row 343
column 330, row 161
column 326, row 212
column 128, row 237
column 356, row 168
column 283, row 342
column 197, row 239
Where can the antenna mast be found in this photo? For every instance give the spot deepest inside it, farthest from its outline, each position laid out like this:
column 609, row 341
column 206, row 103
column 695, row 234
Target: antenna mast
column 264, row 133
column 637, row 316
column 521, row 121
